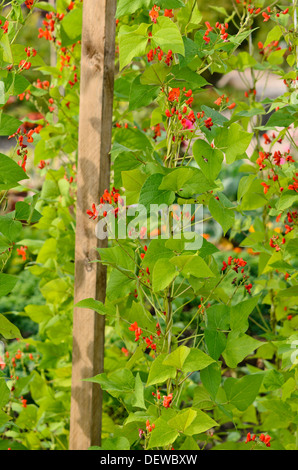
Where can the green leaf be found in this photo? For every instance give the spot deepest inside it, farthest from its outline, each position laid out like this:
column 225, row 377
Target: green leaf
column 240, row 312
column 224, row 216
column 242, row 392
column 182, row 420
column 9, row 228
column 215, row 341
column 9, row 125
column 25, row 211
column 185, row 74
column 138, row 396
column 208, row 158
column 156, row 74
column 7, row 283
column 133, row 181
column 127, row 7
column 7, row 329
column 290, row 292
column 10, row 173
column 196, row 360
column 166, row 35
column 4, row 393
column 121, row 380
column 169, row 3
column 132, row 42
column 177, row 357
column 176, row 179
column 151, row 194
column 27, row 419
column 238, row 347
column 189, row 17
column 199, row 184
column 130, row 140
column 218, row 317
column 4, row 419
column 45, row 6
column 141, row 95
column 92, row 304
column 156, row 250
column 280, row 118
column 189, row 444
column 113, row 443
column 273, row 380
column 162, row 276
column 71, row 27
column 38, row 313
column 274, row 35
column 159, row 372
column 192, row 265
column 287, row 200
column 233, row 141
column 211, row 378
column 200, row 424
column 55, row 291
column 162, row 435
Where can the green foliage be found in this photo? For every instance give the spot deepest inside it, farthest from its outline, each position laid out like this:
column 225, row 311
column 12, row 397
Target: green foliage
column 201, row 343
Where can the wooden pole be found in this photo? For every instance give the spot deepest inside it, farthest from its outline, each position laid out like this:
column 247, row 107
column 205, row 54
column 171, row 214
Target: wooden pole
column 95, row 127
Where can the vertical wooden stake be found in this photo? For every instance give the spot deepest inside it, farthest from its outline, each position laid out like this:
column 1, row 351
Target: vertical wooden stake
column 95, row 126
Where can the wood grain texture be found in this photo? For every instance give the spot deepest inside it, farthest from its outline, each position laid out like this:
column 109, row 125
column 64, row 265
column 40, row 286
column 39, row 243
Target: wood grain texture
column 95, row 126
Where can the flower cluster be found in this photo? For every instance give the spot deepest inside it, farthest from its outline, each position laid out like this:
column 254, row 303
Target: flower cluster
column 168, row 58
column 267, row 160
column 182, row 112
column 292, row 219
column 5, row 26
column 269, row 48
column 49, row 25
column 294, row 185
column 265, row 439
column 166, row 400
column 22, row 252
column 112, row 197
column 150, row 344
column 149, row 426
column 237, row 264
column 222, row 30
column 24, row 402
column 22, row 150
column 224, row 99
column 154, row 13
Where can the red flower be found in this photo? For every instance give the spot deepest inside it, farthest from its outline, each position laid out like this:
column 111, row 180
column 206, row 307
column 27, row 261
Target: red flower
column 5, row 26
column 29, row 4
column 134, row 327
column 248, row 288
column 174, row 94
column 167, row 400
column 154, row 13
column 94, row 213
column 169, row 13
column 224, row 267
column 208, row 123
column 266, row 187
column 125, row 351
column 22, row 252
